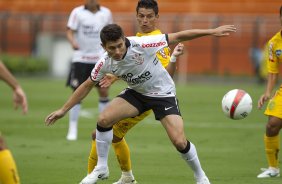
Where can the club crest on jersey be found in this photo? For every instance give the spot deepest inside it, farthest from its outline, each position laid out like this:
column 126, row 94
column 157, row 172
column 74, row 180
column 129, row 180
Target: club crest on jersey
column 162, row 53
column 278, row 53
column 139, row 60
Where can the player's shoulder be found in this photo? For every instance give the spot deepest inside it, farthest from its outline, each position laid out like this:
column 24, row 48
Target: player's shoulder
column 133, row 40
column 156, row 32
column 277, row 38
column 102, row 63
column 106, row 59
column 145, row 37
column 105, row 9
column 144, row 42
column 79, row 8
column 135, row 43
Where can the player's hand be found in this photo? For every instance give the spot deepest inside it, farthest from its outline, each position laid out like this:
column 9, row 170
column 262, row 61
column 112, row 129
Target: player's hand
column 264, row 98
column 107, row 80
column 178, row 50
column 19, row 99
column 224, row 30
column 54, row 116
column 75, row 46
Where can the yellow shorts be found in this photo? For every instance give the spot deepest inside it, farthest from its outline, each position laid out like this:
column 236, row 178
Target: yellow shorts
column 123, row 126
column 274, row 106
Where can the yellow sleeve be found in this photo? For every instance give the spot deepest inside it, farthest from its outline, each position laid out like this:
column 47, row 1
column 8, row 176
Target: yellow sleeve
column 263, row 70
column 272, row 61
column 164, row 56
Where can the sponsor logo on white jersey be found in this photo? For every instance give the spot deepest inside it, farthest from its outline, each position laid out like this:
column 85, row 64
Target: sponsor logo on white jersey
column 137, row 80
column 95, row 72
column 158, row 44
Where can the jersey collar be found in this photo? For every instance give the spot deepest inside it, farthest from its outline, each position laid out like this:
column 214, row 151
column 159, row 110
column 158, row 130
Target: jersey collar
column 86, row 8
column 127, row 44
column 155, row 32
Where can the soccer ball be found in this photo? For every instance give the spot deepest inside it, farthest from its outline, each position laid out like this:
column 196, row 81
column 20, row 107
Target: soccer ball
column 237, row 104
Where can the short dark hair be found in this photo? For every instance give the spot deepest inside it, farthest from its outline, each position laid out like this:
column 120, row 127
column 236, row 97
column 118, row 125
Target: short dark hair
column 280, row 11
column 111, row 32
column 148, row 4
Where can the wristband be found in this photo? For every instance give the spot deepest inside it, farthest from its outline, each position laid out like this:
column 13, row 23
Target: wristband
column 173, row 59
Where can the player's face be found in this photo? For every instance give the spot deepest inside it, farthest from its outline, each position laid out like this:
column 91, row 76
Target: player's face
column 146, row 19
column 116, row 49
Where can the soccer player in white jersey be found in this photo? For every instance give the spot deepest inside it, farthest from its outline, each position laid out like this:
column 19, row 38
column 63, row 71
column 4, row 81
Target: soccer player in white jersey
column 133, row 59
column 147, row 14
column 83, row 33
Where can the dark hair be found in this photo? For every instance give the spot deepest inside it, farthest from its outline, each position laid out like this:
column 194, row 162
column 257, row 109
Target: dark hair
column 148, row 4
column 111, row 32
column 280, row 11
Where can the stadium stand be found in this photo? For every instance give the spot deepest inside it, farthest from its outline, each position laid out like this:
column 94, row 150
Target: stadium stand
column 21, row 22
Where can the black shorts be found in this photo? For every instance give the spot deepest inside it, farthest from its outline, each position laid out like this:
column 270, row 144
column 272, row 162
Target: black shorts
column 162, row 106
column 79, row 73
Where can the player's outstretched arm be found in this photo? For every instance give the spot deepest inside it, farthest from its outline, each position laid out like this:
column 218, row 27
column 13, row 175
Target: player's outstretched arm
column 19, row 97
column 79, row 94
column 196, row 33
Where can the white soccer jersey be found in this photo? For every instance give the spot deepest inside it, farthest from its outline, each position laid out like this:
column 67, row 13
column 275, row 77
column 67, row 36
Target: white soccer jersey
column 140, row 67
column 88, row 26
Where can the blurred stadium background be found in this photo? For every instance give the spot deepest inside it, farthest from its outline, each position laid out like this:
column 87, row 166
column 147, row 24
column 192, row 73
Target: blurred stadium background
column 37, row 28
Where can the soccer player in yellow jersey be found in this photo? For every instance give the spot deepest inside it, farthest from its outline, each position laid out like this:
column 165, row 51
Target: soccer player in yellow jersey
column 147, row 16
column 274, row 107
column 8, row 169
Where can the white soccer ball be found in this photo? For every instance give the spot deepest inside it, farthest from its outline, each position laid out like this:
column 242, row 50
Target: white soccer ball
column 237, row 104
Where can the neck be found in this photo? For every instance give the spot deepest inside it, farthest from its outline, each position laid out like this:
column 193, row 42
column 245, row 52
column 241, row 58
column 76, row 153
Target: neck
column 93, row 8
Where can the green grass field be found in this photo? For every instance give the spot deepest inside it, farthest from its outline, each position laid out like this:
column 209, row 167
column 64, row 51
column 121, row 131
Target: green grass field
column 230, row 151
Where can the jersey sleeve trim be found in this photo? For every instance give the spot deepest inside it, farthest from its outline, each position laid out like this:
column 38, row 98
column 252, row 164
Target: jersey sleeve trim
column 166, row 37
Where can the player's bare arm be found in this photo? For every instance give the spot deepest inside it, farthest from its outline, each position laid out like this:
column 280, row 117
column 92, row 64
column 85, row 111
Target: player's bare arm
column 196, row 33
column 79, row 94
column 70, row 37
column 19, row 97
column 272, row 79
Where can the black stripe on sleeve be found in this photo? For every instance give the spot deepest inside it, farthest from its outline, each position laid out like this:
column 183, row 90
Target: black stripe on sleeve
column 166, row 37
